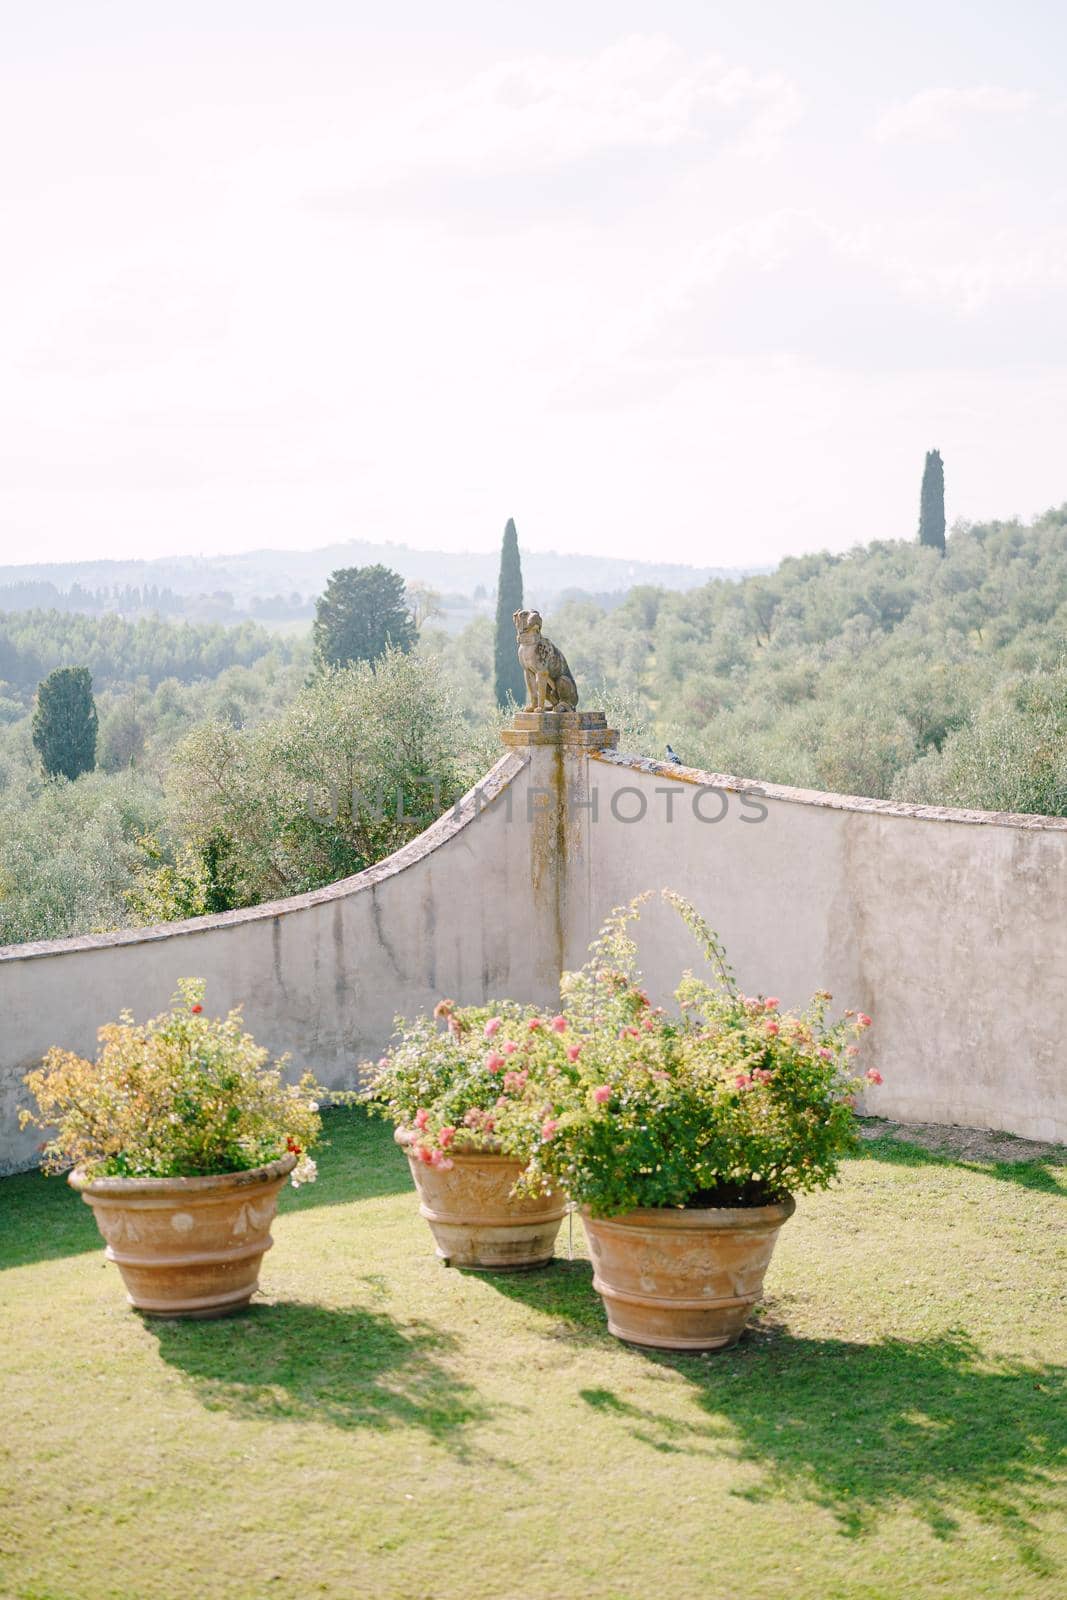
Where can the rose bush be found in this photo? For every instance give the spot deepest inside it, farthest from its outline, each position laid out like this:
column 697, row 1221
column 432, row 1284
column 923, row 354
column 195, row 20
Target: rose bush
column 452, row 1077
column 182, row 1095
column 732, row 1102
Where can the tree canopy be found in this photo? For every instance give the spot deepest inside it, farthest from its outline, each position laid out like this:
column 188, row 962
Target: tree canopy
column 65, row 723
column 363, row 613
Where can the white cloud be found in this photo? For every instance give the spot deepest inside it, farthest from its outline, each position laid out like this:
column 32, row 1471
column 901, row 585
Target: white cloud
column 267, row 298
column 536, row 112
column 939, row 114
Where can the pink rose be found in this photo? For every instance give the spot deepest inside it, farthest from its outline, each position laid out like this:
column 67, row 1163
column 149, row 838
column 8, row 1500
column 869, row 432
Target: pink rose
column 383, row 1062
column 602, row 1094
column 771, row 1004
column 826, row 1055
column 863, row 1020
column 534, row 1023
column 742, row 1081
column 761, row 1075
column 445, row 1137
column 773, row 1028
column 494, row 1061
column 873, row 1075
column 560, row 1024
column 509, row 1047
column 492, row 1027
column 852, row 1050
column 548, row 1128
column 573, row 1052
column 421, row 1119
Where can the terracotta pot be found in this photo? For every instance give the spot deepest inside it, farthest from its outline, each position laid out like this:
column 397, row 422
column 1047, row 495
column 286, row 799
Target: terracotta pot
column 187, row 1247
column 474, row 1221
column 683, row 1280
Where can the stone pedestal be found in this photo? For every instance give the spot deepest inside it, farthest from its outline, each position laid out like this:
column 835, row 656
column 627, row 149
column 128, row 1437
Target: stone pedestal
column 580, row 730
column 560, row 809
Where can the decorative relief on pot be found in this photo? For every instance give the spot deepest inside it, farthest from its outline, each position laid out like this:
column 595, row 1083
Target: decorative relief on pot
column 182, row 1221
column 475, row 1222
column 118, row 1227
column 487, row 1184
column 252, row 1218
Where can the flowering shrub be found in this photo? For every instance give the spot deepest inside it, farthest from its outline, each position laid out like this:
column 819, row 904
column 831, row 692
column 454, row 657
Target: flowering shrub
column 452, row 1077
column 180, row 1096
column 734, row 1102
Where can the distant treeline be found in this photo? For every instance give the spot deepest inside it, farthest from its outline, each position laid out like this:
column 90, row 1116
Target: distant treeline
column 120, row 652
column 134, row 600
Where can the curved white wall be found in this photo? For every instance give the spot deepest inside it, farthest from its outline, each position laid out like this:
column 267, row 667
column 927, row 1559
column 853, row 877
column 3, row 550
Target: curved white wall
column 948, row 927
column 321, row 975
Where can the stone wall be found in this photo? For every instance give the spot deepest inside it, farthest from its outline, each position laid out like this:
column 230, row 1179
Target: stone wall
column 320, row 975
column 946, row 926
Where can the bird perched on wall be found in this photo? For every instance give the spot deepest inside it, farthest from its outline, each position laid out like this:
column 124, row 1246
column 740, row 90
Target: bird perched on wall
column 676, row 760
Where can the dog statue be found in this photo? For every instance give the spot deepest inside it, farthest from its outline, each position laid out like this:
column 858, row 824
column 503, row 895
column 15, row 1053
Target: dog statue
column 549, row 684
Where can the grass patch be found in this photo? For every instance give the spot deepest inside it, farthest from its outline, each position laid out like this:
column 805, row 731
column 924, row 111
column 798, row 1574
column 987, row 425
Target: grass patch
column 893, row 1424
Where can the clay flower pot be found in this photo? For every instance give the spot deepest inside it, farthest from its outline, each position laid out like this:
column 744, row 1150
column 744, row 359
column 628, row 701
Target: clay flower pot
column 187, row 1247
column 472, row 1217
column 683, row 1280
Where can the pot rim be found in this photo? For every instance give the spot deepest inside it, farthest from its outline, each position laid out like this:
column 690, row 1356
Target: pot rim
column 694, row 1218
column 207, row 1182
column 407, row 1136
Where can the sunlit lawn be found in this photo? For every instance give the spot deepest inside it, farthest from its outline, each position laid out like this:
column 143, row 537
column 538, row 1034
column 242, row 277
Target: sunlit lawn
column 379, row 1426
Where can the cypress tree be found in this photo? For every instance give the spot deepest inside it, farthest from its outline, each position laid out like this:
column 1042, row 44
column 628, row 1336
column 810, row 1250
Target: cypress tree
column 932, row 503
column 509, row 681
column 65, row 722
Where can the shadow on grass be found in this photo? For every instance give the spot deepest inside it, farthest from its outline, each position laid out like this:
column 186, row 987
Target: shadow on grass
column 41, row 1218
column 563, row 1292
column 930, row 1426
column 349, row 1368
column 1045, row 1177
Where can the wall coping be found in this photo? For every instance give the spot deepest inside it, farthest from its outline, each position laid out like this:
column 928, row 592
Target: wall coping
column 460, row 816
column 445, row 827
column 1027, row 821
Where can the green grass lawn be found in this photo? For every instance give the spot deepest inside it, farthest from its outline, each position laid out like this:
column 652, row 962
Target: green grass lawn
column 379, row 1426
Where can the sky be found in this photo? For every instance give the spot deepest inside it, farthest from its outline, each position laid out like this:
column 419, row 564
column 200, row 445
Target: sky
column 693, row 281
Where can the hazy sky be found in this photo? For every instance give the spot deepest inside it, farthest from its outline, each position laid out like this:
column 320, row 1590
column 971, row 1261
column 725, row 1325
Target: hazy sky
column 702, row 281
